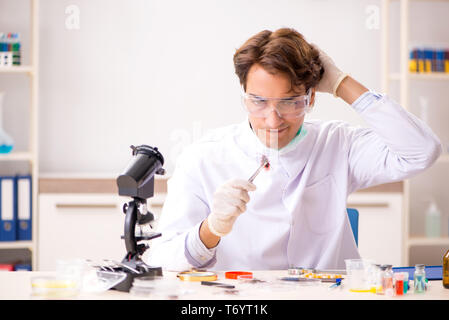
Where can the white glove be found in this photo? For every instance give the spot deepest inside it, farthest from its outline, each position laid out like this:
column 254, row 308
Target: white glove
column 228, row 203
column 332, row 76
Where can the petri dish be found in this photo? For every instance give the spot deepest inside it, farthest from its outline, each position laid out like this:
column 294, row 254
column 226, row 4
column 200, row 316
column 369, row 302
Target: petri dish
column 54, row 287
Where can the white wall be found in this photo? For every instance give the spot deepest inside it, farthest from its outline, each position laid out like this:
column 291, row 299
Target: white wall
column 161, row 72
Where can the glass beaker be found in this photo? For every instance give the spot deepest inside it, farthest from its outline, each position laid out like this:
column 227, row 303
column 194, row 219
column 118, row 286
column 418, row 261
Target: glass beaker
column 359, row 274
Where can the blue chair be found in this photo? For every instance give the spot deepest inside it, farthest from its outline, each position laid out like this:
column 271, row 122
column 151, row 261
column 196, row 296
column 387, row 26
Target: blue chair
column 353, row 216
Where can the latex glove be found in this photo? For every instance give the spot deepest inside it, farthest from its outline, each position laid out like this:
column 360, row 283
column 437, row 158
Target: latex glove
column 332, row 76
column 228, row 203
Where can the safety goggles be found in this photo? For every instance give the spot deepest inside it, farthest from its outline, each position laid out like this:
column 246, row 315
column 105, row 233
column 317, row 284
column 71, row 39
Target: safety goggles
column 291, row 107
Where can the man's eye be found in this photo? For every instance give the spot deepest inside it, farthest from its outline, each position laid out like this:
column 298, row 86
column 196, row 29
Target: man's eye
column 259, row 102
column 287, row 103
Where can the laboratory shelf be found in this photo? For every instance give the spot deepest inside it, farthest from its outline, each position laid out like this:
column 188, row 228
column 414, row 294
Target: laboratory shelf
column 17, row 69
column 421, row 76
column 425, row 241
column 444, row 158
column 17, row 245
column 16, row 156
column 404, row 80
column 31, row 156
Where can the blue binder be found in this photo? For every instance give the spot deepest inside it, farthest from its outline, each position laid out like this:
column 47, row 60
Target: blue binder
column 24, row 207
column 8, row 206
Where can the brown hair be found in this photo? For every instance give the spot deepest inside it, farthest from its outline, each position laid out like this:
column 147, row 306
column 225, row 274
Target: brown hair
column 282, row 51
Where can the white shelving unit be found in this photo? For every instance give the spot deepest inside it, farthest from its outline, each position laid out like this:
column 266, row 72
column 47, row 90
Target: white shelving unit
column 405, row 79
column 32, row 71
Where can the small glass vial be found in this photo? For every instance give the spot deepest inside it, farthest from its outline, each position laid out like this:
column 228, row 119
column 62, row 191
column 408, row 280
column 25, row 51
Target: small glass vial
column 399, row 283
column 419, row 278
column 387, row 281
column 379, row 280
column 406, row 284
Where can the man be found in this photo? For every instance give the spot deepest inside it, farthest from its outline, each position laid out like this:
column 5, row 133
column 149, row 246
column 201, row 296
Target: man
column 294, row 213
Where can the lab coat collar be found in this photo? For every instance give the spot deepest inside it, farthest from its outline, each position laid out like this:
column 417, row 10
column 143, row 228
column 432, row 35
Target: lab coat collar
column 292, row 157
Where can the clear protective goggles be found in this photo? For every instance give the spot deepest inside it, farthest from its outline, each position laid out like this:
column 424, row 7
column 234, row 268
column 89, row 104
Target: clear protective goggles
column 291, row 107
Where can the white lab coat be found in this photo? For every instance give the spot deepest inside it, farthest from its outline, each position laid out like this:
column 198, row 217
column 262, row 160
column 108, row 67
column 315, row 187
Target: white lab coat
column 297, row 216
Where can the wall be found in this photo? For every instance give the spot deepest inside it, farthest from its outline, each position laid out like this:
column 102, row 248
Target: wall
column 161, row 72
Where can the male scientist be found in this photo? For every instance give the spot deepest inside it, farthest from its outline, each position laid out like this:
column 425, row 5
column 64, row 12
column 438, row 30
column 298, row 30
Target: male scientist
column 294, row 212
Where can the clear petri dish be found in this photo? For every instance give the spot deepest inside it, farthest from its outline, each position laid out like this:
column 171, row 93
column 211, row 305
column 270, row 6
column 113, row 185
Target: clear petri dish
column 54, row 287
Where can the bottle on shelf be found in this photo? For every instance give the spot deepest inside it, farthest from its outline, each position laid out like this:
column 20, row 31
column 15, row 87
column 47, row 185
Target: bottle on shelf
column 6, row 142
column 433, row 221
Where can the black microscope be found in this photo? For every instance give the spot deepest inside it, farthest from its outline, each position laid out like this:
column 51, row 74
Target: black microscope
column 137, row 182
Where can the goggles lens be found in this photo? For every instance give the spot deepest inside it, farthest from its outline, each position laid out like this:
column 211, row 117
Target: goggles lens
column 260, row 107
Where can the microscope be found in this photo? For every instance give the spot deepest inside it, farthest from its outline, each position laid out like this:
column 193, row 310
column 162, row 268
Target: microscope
column 137, row 182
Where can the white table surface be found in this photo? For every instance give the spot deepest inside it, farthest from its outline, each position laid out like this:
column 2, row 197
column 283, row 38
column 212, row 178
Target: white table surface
column 17, row 286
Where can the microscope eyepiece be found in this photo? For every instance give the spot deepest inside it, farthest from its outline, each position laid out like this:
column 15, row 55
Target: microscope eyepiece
column 149, row 151
column 138, row 178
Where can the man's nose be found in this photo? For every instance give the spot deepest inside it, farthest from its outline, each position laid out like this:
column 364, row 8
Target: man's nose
column 273, row 119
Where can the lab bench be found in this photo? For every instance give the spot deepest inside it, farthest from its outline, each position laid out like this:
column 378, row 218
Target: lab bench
column 17, row 286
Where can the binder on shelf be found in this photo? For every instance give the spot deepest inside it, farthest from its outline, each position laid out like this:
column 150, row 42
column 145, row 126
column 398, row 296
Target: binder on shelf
column 7, row 209
column 22, row 267
column 24, row 207
column 6, row 267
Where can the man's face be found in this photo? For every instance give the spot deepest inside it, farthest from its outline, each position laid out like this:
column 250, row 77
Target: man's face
column 274, row 131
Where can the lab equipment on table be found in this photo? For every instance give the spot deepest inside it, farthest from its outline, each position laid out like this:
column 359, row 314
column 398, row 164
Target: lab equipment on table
column 337, row 284
column 419, row 278
column 302, row 280
column 399, row 283
column 377, row 278
column 137, row 181
column 406, row 282
column 236, row 274
column 432, row 272
column 446, row 270
column 6, row 142
column 158, row 286
column 305, row 276
column 360, row 275
column 295, row 271
column 217, row 284
column 387, row 281
column 325, row 273
column 197, row 275
column 54, row 287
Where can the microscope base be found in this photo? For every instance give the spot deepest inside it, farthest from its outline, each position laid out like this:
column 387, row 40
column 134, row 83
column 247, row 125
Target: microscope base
column 127, row 283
